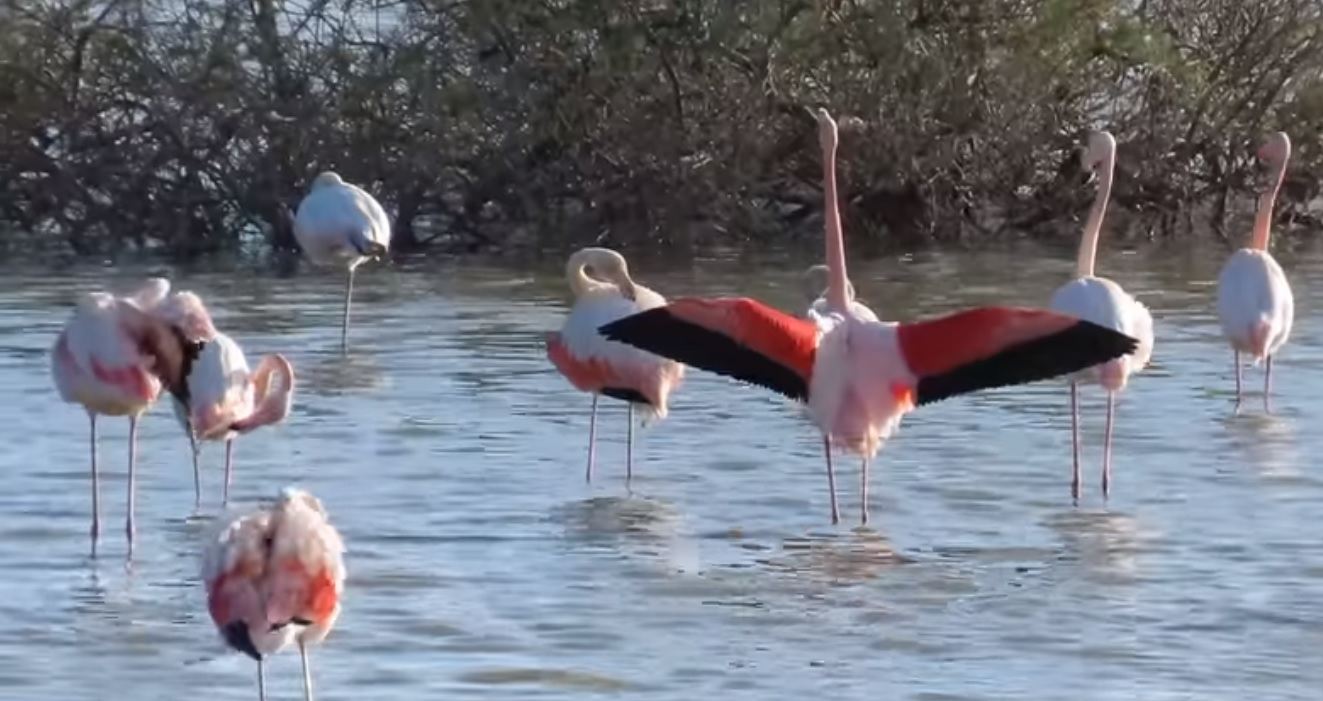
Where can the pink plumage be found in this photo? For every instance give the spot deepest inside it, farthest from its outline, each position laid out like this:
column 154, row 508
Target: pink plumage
column 113, row 357
column 275, row 577
column 225, row 399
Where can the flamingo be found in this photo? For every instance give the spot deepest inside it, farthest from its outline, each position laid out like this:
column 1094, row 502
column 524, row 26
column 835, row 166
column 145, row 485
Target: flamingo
column 601, row 367
column 341, row 223
column 276, row 577
column 858, row 376
column 1254, row 300
column 815, row 286
column 1102, row 302
column 113, row 357
column 222, row 400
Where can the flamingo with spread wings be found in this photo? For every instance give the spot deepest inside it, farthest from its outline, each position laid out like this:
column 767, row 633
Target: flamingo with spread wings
column 1103, row 302
column 601, row 367
column 113, row 357
column 858, row 376
column 223, row 400
column 338, row 222
column 1254, row 300
column 275, row 577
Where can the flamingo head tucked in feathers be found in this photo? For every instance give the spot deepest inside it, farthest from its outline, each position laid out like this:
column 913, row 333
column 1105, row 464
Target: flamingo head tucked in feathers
column 326, row 178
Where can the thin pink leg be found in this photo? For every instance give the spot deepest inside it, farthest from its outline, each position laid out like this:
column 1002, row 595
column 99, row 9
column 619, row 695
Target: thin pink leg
column 129, row 528
column 1267, row 386
column 1075, row 441
column 229, row 470
column 197, row 471
column 831, row 481
column 96, row 488
column 1236, row 354
column 1107, row 445
column 863, row 495
column 592, row 439
column 629, row 447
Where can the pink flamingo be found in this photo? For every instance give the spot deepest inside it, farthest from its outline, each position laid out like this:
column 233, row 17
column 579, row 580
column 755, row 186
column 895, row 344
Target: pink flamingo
column 594, row 364
column 1103, row 302
column 1254, row 300
column 112, row 357
column 859, row 377
column 223, row 400
column 276, row 577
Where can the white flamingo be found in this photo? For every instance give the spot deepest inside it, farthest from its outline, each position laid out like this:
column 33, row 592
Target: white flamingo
column 222, row 400
column 341, row 223
column 592, row 363
column 1254, row 301
column 1103, row 302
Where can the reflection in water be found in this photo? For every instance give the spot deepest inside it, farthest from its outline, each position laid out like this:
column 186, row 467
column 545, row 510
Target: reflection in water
column 332, row 374
column 1266, row 441
column 1103, row 544
column 849, row 558
column 481, row 565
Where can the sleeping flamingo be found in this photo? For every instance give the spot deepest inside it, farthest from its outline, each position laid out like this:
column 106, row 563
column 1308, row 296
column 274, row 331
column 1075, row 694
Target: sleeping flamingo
column 858, row 376
column 1103, row 302
column 113, row 357
column 222, row 400
column 1254, row 301
column 594, row 364
column 815, row 287
column 341, row 223
column 276, row 577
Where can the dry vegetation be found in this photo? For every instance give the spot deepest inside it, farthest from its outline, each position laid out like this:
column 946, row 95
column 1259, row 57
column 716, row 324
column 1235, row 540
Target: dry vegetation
column 193, row 126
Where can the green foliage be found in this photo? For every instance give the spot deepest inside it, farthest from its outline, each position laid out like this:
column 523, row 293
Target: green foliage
column 193, row 126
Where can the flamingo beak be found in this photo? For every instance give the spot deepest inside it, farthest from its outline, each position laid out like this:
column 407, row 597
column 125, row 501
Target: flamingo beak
column 237, row 636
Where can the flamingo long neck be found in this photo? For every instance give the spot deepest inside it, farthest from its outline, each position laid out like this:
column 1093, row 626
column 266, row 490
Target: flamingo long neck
column 1092, row 227
column 1263, row 219
column 581, row 283
column 838, row 299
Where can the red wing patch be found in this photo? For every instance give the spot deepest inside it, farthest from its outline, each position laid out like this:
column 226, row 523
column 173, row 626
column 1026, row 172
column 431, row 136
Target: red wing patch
column 940, row 345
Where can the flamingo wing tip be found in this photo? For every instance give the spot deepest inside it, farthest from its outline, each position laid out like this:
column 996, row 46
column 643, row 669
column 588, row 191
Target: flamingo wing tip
column 1066, row 350
column 667, row 333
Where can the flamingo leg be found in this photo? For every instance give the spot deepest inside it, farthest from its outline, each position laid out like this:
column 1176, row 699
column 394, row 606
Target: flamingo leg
column 96, row 488
column 229, row 470
column 863, row 495
column 1236, row 353
column 629, row 447
column 1267, row 386
column 592, row 439
column 344, row 325
column 1107, row 445
column 197, row 470
column 307, row 672
column 831, row 480
column 1075, row 441
column 129, row 528
column 261, row 682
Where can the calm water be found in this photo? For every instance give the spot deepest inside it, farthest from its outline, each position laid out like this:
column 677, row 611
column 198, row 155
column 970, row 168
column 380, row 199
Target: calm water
column 450, row 455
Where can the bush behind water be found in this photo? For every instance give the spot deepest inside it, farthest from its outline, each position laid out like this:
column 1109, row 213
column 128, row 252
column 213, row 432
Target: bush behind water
column 194, row 126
